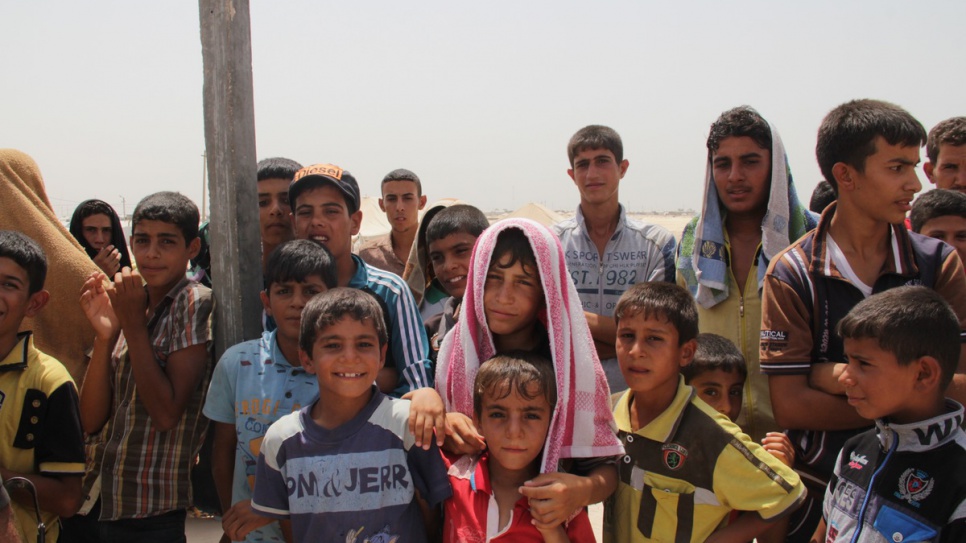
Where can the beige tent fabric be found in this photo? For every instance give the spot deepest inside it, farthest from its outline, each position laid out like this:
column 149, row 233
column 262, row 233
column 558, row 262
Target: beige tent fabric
column 61, row 329
column 536, row 212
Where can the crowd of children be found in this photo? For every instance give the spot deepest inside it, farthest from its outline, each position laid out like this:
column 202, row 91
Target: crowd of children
column 474, row 406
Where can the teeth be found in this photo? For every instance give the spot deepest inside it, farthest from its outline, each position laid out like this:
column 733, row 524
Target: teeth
column 456, row 279
column 349, row 374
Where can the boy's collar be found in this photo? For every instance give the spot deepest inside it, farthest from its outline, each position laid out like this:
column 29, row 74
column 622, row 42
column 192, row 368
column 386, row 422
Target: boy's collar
column 923, row 435
column 664, row 426
column 18, row 356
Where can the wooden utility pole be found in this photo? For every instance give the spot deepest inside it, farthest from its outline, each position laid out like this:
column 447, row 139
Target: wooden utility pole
column 236, row 260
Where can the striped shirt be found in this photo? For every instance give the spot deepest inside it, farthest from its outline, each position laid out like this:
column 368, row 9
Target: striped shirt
column 143, row 471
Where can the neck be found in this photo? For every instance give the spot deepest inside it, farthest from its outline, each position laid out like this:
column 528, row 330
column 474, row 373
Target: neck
column 345, row 269
column 601, row 217
column 647, row 407
column 403, row 241
column 501, row 477
column 332, row 411
column 857, row 233
column 744, row 225
column 266, row 252
column 522, row 340
column 289, row 348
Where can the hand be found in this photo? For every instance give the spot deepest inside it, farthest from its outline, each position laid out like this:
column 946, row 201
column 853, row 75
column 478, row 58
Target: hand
column 129, row 299
column 96, row 304
column 780, row 447
column 462, row 436
column 825, row 377
column 554, row 497
column 108, row 259
column 241, row 519
column 426, row 412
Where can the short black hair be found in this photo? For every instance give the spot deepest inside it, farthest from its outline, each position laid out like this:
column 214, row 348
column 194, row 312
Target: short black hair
column 296, row 260
column 822, row 196
column 402, row 174
column 170, row 207
column 333, row 305
column 910, row 322
column 27, row 254
column 739, row 122
column 848, row 133
column 515, row 243
column 456, row 219
column 949, row 132
column 277, row 168
column 595, row 136
column 936, row 203
column 515, row 370
column 715, row 352
column 661, row 299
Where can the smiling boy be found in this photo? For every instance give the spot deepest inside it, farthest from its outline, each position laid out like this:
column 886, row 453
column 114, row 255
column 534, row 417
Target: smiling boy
column 402, row 199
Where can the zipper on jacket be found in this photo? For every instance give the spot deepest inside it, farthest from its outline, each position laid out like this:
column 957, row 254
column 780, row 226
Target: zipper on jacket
column 868, row 492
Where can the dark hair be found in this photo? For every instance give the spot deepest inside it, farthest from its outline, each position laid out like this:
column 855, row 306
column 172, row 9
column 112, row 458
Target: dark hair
column 738, row 122
column 456, row 219
column 822, row 196
column 402, row 174
column 949, row 132
column 296, row 260
column 715, row 352
column 172, row 208
column 595, row 136
column 848, row 133
column 333, row 305
column 277, row 168
column 515, row 370
column 514, row 242
column 661, row 299
column 910, row 322
column 27, row 254
column 89, row 208
column 936, row 203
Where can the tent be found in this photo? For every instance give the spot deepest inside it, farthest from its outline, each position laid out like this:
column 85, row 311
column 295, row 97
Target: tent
column 537, row 212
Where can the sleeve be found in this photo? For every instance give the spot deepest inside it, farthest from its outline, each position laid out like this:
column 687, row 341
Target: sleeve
column 60, row 447
column 270, row 495
column 786, row 332
column 668, row 267
column 410, row 346
column 220, row 401
column 830, row 489
column 191, row 318
column 429, row 474
column 580, row 529
column 748, row 478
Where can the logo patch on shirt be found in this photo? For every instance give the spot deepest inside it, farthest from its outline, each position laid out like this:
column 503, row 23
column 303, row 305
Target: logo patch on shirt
column 857, row 461
column 674, row 455
column 915, row 485
column 773, row 340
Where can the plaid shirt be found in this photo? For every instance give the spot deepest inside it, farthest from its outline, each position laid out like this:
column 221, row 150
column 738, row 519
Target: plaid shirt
column 143, row 471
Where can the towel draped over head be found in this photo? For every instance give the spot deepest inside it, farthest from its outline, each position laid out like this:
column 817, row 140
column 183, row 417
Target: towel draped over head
column 582, row 425
column 703, row 259
column 60, row 329
column 118, row 238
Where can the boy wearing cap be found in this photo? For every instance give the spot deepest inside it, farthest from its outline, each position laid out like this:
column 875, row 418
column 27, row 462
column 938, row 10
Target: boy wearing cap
column 402, row 199
column 325, row 208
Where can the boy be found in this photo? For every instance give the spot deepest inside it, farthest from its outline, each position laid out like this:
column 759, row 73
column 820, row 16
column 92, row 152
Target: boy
column 685, row 469
column 868, row 151
column 916, row 454
column 274, row 176
column 147, row 377
column 514, row 398
column 598, row 238
column 96, row 226
column 325, row 208
column 257, row 382
column 946, row 149
column 345, row 468
column 402, row 199
column 941, row 214
column 42, row 439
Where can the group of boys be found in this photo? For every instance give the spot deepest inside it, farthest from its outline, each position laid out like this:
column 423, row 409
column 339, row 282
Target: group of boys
column 306, row 411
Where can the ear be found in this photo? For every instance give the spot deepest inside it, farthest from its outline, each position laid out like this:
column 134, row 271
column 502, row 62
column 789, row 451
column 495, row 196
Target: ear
column 264, row 297
column 928, row 373
column 842, row 173
column 194, row 247
column 382, row 206
column 570, row 172
column 422, row 201
column 306, row 361
column 37, row 302
column 687, row 351
column 382, row 355
column 929, row 167
column 624, row 165
column 356, row 220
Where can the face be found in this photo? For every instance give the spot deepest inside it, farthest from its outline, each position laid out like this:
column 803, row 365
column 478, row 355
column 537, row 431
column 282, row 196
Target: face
column 285, row 301
column 450, row 258
column 161, row 253
column 948, row 228
column 597, row 175
column 274, row 211
column 345, row 358
column 885, row 189
column 648, row 353
column 949, row 171
column 742, row 175
column 97, row 230
column 515, row 428
column 401, row 202
column 321, row 215
column 721, row 390
column 16, row 302
column 512, row 298
column 875, row 384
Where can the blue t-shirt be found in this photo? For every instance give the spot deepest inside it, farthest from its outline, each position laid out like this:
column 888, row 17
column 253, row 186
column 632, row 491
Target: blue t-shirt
column 252, row 387
column 356, row 482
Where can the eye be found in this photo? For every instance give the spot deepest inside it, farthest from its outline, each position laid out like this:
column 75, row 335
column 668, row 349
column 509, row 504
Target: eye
column 282, row 291
column 655, row 339
column 283, row 200
column 710, row 392
column 534, row 416
column 311, row 291
column 436, row 258
column 263, row 202
column 331, row 345
column 495, row 415
column 303, row 212
column 735, row 392
column 626, row 336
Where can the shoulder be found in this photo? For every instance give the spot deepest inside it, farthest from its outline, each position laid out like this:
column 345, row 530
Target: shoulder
column 193, row 295
column 374, row 243
column 385, row 283
column 50, row 372
column 238, row 354
column 392, row 414
column 792, row 263
column 649, row 233
column 565, row 227
column 284, row 428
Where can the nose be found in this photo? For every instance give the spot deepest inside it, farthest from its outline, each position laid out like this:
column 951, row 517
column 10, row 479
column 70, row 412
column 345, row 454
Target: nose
column 914, row 184
column 514, row 426
column 735, row 172
column 504, row 293
column 275, row 207
column 845, row 378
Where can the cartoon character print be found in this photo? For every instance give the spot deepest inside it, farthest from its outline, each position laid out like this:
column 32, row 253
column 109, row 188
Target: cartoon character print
column 382, row 536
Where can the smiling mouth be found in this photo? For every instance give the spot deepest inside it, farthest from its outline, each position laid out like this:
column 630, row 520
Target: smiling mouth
column 350, row 375
column 321, row 239
column 456, row 279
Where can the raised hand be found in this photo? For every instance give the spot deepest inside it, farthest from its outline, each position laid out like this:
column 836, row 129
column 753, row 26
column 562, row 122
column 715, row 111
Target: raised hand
column 96, row 304
column 108, row 259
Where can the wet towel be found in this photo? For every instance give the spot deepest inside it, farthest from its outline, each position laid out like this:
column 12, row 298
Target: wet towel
column 582, row 425
column 61, row 329
column 703, row 260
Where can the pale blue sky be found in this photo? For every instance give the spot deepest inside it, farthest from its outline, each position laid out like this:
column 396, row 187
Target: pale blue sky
column 479, row 99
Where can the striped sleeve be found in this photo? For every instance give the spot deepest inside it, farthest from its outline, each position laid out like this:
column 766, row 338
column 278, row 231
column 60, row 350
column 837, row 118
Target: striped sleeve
column 410, row 346
column 190, row 322
column 785, row 346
